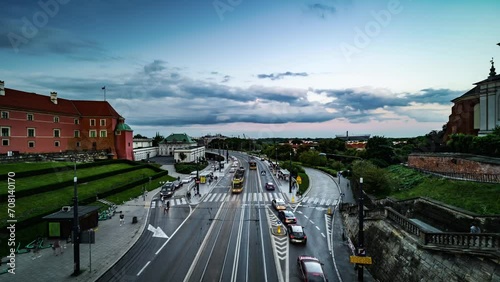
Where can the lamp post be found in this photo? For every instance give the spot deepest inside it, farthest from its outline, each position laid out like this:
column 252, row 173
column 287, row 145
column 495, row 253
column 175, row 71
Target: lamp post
column 361, row 238
column 197, row 175
column 290, row 174
column 76, row 228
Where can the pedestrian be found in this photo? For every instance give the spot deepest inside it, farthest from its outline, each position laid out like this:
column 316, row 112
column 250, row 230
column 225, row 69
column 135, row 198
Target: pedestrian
column 122, row 219
column 57, row 247
column 167, row 207
column 474, row 229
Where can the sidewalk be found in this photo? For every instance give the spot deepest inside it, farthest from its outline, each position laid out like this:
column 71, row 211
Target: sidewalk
column 112, row 241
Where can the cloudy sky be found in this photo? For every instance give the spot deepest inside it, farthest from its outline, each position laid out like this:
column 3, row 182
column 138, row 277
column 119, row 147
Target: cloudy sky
column 263, row 68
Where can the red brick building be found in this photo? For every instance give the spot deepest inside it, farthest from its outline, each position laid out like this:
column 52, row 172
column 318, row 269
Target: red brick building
column 477, row 112
column 34, row 123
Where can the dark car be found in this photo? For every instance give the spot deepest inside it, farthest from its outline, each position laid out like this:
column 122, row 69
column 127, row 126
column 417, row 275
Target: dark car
column 167, row 190
column 311, row 269
column 178, row 184
column 287, row 217
column 270, row 186
column 296, row 234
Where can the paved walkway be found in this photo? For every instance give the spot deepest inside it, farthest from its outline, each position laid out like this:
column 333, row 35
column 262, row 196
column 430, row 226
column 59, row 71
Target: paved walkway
column 112, row 241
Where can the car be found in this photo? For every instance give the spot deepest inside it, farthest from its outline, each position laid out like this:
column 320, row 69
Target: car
column 167, row 190
column 311, row 269
column 287, row 217
column 296, row 234
column 187, row 179
column 232, row 170
column 178, row 184
column 279, row 204
column 269, row 186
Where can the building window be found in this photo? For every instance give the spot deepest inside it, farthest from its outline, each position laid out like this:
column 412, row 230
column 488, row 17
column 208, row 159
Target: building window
column 103, row 133
column 5, row 142
column 118, row 133
column 92, row 122
column 5, row 115
column 5, row 131
column 56, row 119
column 31, row 132
column 93, row 133
column 77, row 133
column 56, row 144
column 57, row 133
column 29, row 117
column 103, row 122
column 31, row 144
column 77, row 121
column 77, row 144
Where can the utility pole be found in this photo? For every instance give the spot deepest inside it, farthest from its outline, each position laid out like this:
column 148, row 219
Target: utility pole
column 290, row 175
column 76, row 228
column 361, row 238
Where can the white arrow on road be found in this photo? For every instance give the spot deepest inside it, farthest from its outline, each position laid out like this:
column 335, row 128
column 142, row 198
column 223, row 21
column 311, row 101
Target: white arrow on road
column 157, row 232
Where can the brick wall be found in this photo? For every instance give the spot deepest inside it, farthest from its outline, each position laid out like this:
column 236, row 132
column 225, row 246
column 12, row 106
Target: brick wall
column 454, row 163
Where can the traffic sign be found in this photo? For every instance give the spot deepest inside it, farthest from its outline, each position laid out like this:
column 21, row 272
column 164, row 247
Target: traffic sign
column 360, row 260
column 299, row 179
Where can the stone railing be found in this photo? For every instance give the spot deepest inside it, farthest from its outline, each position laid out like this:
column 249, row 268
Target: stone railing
column 481, row 241
column 484, row 243
column 402, row 221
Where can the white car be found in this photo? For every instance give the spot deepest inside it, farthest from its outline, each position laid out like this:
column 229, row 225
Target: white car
column 232, row 170
column 187, row 179
column 279, row 204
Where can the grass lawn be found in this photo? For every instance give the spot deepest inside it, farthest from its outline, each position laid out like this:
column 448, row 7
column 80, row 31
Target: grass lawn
column 43, row 203
column 18, row 167
column 58, row 176
column 481, row 198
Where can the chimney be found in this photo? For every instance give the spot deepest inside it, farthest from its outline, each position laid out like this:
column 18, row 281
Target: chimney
column 2, row 88
column 53, row 97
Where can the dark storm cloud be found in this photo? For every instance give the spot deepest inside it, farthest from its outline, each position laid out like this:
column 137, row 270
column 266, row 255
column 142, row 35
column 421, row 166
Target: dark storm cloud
column 275, row 76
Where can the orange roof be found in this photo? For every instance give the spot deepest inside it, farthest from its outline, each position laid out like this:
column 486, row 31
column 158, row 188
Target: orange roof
column 20, row 100
column 15, row 99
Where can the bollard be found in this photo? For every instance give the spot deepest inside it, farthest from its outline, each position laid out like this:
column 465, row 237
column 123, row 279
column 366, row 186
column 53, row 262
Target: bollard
column 279, row 229
column 293, row 199
column 329, row 212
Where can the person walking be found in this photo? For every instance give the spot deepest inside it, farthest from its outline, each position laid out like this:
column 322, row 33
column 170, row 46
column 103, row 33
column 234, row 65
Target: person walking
column 167, row 207
column 57, row 247
column 122, row 219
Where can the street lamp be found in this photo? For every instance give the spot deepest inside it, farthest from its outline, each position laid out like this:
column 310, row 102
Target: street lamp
column 290, row 174
column 76, row 228
column 361, row 239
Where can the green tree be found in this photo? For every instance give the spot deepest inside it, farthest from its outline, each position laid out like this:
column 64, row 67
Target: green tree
column 157, row 139
column 379, row 150
column 376, row 181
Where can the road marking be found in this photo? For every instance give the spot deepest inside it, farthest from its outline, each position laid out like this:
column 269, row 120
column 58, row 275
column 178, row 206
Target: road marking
column 317, row 227
column 144, row 267
column 311, row 221
column 323, row 235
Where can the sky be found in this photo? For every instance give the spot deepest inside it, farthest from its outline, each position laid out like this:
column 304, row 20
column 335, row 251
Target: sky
column 265, row 69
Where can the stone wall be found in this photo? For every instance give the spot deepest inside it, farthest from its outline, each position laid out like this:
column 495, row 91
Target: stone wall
column 454, row 163
column 398, row 258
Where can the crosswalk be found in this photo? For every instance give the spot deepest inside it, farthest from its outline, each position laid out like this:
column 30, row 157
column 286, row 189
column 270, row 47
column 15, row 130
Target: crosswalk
column 251, row 198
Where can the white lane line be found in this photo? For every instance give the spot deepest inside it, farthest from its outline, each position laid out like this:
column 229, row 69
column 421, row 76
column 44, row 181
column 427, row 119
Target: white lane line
column 317, row 227
column 311, row 221
column 323, row 235
column 144, row 267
